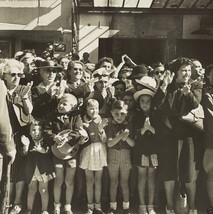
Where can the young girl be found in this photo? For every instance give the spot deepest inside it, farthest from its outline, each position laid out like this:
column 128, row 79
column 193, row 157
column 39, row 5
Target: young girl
column 93, row 156
column 38, row 166
column 119, row 162
column 145, row 151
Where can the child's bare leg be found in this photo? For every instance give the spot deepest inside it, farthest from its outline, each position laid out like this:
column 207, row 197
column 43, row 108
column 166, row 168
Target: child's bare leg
column 98, row 183
column 19, row 192
column 32, row 189
column 69, row 182
column 151, row 185
column 43, row 190
column 142, row 177
column 114, row 175
column 89, row 185
column 58, row 183
column 124, row 177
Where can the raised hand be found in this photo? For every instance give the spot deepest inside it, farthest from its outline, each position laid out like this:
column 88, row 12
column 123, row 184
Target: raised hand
column 186, row 89
column 168, row 77
column 25, row 91
column 125, row 134
column 25, row 141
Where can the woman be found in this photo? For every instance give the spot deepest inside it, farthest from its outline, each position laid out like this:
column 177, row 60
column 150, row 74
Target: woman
column 208, row 121
column 45, row 96
column 176, row 138
column 20, row 108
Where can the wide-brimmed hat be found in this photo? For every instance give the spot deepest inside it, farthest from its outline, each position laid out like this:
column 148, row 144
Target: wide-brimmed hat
column 67, row 151
column 147, row 82
column 138, row 72
column 143, row 92
column 49, row 64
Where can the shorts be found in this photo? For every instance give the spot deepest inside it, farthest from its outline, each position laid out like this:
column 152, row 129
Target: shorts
column 119, row 159
column 58, row 163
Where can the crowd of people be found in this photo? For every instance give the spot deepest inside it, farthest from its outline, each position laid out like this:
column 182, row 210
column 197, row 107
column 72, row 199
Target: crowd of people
column 68, row 114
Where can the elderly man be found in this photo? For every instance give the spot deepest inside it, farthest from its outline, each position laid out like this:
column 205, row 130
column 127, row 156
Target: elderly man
column 7, row 145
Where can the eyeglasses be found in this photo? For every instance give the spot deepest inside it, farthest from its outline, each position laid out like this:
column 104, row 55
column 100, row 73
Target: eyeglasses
column 159, row 72
column 16, row 74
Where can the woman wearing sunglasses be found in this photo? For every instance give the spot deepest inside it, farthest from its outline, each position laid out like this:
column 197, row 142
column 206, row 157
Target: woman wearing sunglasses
column 158, row 72
column 20, row 108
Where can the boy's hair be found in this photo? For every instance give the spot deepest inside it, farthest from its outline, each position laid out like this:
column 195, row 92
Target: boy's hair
column 69, row 97
column 129, row 94
column 119, row 104
column 91, row 102
column 38, row 122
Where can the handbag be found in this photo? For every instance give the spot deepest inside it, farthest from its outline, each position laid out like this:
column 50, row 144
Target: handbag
column 195, row 118
column 181, row 206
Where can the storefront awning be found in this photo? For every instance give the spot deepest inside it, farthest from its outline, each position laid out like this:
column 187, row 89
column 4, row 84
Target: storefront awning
column 146, row 6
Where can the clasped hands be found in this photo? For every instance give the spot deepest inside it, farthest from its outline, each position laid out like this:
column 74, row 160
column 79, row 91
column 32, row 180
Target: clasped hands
column 147, row 127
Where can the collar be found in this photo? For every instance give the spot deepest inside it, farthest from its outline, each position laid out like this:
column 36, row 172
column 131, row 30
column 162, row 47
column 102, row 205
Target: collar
column 96, row 120
column 115, row 123
column 37, row 142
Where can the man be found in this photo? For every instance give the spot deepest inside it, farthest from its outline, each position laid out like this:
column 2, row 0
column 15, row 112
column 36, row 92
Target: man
column 7, row 145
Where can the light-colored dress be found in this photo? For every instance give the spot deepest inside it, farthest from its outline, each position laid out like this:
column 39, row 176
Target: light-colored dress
column 94, row 156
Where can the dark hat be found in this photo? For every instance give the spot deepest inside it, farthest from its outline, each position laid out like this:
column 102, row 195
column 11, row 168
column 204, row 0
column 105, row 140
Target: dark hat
column 117, row 82
column 50, row 64
column 138, row 72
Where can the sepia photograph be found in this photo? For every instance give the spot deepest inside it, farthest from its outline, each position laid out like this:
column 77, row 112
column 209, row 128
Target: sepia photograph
column 106, row 106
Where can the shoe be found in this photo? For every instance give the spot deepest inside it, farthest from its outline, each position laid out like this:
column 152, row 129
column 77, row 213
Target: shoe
column 98, row 211
column 193, row 211
column 111, row 211
column 169, row 211
column 68, row 212
column 56, row 211
column 151, row 209
column 142, row 210
column 44, row 212
column 126, row 211
column 16, row 209
column 89, row 211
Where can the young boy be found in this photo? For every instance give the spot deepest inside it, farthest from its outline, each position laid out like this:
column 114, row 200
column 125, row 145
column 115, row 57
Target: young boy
column 67, row 131
column 119, row 162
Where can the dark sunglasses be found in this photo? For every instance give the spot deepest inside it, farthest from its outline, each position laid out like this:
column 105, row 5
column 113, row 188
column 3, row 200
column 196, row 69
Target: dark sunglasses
column 159, row 72
column 16, row 74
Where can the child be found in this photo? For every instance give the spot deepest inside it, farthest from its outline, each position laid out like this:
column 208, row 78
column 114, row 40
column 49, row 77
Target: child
column 67, row 131
column 93, row 156
column 102, row 92
column 119, row 162
column 38, row 166
column 145, row 151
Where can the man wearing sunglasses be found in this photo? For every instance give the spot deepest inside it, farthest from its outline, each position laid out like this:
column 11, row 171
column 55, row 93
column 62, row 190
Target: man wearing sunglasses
column 19, row 105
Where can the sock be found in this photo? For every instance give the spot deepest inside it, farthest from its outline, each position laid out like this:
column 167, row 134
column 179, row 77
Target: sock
column 125, row 205
column 67, row 207
column 90, row 206
column 97, row 206
column 113, row 205
column 57, row 206
column 150, row 207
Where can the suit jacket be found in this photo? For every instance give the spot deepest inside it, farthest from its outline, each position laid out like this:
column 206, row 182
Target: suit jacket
column 6, row 140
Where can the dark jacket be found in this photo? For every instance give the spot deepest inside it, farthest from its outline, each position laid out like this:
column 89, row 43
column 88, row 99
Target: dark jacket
column 207, row 103
column 43, row 103
column 175, row 104
column 144, row 144
column 42, row 161
column 6, row 140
